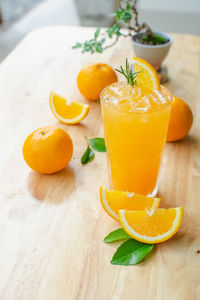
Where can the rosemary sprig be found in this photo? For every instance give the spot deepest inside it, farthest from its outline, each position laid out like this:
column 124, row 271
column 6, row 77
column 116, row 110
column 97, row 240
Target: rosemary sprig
column 128, row 74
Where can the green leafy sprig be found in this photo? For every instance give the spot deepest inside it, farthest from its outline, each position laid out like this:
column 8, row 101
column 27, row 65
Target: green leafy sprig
column 114, row 30
column 123, row 14
column 128, row 73
column 97, row 144
column 131, row 252
column 93, row 45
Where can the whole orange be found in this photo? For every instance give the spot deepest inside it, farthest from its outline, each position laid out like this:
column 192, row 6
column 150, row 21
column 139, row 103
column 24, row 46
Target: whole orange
column 181, row 119
column 93, row 79
column 48, row 150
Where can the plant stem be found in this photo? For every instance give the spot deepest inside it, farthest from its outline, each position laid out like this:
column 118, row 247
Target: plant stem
column 112, row 44
column 138, row 27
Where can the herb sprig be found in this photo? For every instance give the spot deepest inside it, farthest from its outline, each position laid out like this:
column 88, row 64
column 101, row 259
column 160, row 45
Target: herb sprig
column 128, row 73
column 93, row 45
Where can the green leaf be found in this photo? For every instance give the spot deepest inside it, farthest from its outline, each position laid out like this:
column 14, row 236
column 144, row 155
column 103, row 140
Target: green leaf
column 130, row 253
column 99, row 48
column 109, row 32
column 98, row 144
column 123, row 15
column 77, row 45
column 117, row 235
column 115, row 29
column 97, row 32
column 87, row 156
column 126, row 16
column 118, row 14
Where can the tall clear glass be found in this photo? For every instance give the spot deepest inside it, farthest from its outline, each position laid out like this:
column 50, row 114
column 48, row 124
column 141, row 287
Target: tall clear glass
column 135, row 121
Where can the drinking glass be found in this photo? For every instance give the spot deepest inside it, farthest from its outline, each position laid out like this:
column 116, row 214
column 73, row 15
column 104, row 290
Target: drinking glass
column 135, row 121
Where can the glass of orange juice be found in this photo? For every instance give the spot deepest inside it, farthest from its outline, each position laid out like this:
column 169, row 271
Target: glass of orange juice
column 135, row 121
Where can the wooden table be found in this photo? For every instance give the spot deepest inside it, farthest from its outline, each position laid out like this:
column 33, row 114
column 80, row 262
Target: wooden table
column 52, row 226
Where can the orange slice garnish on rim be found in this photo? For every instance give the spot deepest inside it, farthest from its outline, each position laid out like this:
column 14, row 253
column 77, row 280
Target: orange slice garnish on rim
column 148, row 76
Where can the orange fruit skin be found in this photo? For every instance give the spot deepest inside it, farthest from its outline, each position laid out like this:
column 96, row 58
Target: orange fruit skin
column 94, row 78
column 48, row 150
column 181, row 119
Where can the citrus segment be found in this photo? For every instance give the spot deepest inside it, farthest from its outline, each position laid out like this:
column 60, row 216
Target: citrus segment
column 67, row 112
column 113, row 200
column 151, row 226
column 148, row 76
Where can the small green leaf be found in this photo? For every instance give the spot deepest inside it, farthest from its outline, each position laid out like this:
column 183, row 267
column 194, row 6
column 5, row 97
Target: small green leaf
column 115, row 29
column 99, row 48
column 117, row 235
column 118, row 14
column 130, row 253
column 126, row 17
column 77, row 45
column 98, row 144
column 96, row 34
column 87, row 46
column 88, row 155
column 123, row 15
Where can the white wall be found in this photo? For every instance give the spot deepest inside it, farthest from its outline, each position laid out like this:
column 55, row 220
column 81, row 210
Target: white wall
column 181, row 16
column 171, row 5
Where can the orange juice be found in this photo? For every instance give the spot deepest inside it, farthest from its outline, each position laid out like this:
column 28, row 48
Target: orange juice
column 135, row 121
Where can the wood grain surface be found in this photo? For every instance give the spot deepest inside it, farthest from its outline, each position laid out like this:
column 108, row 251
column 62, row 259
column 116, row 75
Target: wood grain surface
column 52, row 226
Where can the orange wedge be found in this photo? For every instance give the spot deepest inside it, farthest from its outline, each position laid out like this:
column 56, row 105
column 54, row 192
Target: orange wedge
column 112, row 201
column 151, row 226
column 148, row 76
column 67, row 112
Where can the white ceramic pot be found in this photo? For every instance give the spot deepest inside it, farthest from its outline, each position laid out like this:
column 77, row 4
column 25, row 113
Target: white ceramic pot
column 154, row 54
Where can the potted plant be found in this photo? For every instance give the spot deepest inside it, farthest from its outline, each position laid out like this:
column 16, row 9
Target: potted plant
column 153, row 46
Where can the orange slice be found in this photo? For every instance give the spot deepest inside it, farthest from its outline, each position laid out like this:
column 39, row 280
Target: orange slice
column 148, row 76
column 67, row 112
column 151, row 226
column 112, row 201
